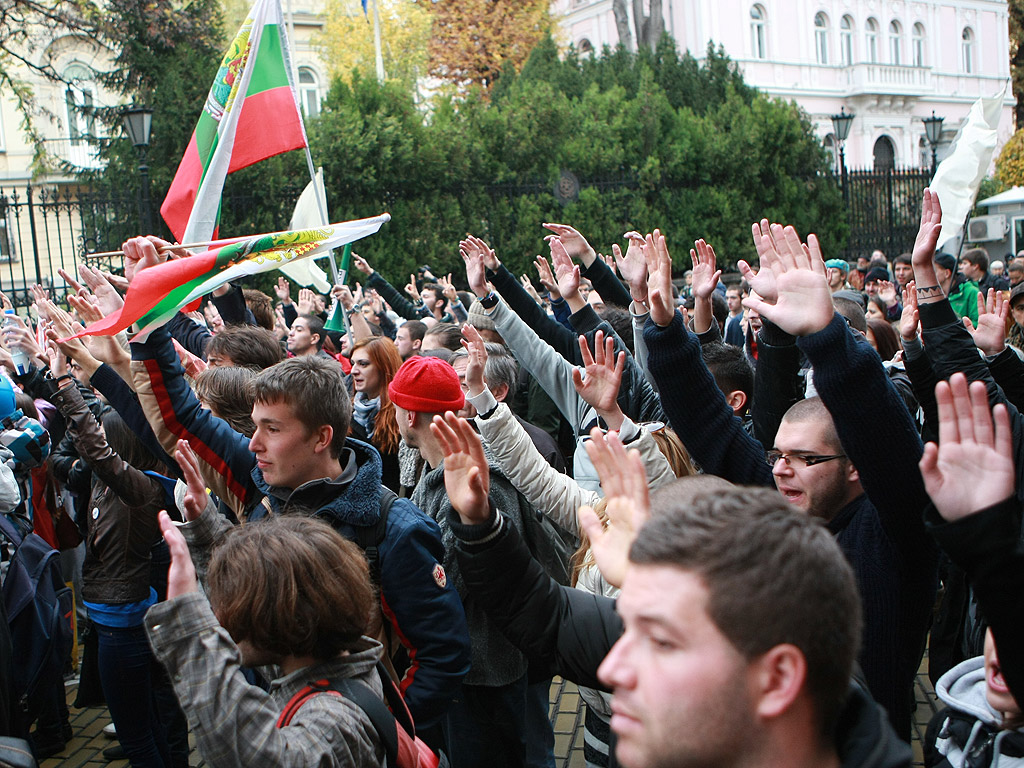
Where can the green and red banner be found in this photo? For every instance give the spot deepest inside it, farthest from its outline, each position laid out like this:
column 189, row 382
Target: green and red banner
column 157, row 293
column 251, row 113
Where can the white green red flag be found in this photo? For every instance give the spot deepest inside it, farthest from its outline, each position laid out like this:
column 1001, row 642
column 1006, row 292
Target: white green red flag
column 157, row 293
column 251, row 113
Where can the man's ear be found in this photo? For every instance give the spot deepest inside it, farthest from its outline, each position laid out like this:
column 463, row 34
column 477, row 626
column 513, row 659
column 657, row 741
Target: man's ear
column 852, row 475
column 777, row 678
column 324, row 435
column 416, row 344
column 737, row 400
column 500, row 392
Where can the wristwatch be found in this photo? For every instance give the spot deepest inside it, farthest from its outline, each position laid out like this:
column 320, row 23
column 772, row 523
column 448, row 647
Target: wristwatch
column 490, row 301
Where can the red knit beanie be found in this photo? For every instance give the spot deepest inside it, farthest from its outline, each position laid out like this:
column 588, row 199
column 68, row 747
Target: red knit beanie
column 426, row 385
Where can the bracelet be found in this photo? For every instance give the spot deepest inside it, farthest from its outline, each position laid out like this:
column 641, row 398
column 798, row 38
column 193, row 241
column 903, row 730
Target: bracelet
column 490, row 301
column 61, row 378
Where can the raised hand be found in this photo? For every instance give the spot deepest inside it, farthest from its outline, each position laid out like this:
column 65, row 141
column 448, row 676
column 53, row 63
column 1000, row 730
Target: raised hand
column 527, row 284
column 990, row 335
column 118, row 282
column 283, row 290
column 448, row 289
column 633, row 266
column 474, row 245
column 467, row 478
column 705, row 276
column 624, row 483
column 603, row 376
column 361, row 264
column 910, row 320
column 804, row 305
column 73, row 284
column 412, row 290
column 474, row 344
column 107, row 297
column 547, row 279
column 576, row 245
column 476, row 274
column 306, row 301
column 181, row 577
column 343, row 295
column 195, row 497
column 21, row 336
column 659, row 279
column 924, row 249
column 972, row 466
column 888, row 293
column 761, row 282
column 142, row 252
column 105, row 349
column 58, row 334
column 566, row 273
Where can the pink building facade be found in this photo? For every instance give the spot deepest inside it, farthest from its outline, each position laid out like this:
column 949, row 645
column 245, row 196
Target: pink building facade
column 892, row 63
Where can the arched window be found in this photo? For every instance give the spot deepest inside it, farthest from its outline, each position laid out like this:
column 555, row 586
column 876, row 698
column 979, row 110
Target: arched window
column 830, row 146
column 895, row 42
column 309, row 92
column 846, row 39
column 918, row 36
column 871, row 40
column 821, row 37
column 585, row 46
column 758, row 45
column 967, row 50
column 885, row 154
column 78, row 101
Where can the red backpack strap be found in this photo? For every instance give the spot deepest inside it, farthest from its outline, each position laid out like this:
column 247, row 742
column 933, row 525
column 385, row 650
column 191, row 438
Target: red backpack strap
column 300, row 698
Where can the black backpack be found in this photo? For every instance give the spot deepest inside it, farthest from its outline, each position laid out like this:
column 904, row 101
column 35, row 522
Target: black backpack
column 39, row 608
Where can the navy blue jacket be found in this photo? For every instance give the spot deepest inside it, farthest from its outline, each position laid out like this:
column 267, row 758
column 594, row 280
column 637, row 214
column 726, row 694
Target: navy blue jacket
column 425, row 612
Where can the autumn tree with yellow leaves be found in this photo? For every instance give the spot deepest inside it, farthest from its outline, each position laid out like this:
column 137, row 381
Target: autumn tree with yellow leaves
column 471, row 41
column 346, row 42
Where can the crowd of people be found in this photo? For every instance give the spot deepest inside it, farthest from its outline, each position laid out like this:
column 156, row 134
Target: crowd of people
column 735, row 513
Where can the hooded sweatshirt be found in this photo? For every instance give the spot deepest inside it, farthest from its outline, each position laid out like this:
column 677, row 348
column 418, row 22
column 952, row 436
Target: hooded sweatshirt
column 968, row 732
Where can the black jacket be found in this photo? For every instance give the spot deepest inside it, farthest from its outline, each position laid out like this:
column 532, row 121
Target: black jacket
column 568, row 632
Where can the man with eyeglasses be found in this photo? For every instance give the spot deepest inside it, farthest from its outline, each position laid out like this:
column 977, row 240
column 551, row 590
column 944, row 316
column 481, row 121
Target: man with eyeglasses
column 857, row 474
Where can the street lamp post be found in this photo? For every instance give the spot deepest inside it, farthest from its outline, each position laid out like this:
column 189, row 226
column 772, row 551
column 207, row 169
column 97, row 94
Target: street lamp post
column 841, row 128
column 933, row 132
column 137, row 123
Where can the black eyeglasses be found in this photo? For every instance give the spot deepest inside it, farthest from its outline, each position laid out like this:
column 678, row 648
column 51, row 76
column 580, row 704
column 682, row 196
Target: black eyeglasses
column 807, row 459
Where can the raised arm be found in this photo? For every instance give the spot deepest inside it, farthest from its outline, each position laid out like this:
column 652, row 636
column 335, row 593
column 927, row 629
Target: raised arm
column 695, row 406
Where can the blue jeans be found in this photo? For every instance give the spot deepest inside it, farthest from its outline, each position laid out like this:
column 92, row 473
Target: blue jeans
column 126, row 673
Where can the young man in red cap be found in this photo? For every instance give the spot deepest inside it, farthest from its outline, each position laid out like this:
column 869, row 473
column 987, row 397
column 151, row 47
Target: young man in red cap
column 486, row 724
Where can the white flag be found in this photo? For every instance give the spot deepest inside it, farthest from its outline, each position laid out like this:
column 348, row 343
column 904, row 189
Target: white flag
column 958, row 176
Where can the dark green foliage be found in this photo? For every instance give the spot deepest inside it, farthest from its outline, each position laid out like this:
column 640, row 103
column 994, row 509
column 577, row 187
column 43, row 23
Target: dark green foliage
column 656, row 140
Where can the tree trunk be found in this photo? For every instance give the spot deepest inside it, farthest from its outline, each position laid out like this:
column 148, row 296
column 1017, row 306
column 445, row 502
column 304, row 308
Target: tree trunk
column 655, row 25
column 622, row 24
column 640, row 23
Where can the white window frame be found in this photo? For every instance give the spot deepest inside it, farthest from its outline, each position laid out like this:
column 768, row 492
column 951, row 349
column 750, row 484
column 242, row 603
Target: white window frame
column 871, row 40
column 846, row 39
column 967, row 51
column 918, row 38
column 895, row 43
column 309, row 90
column 821, row 37
column 758, row 31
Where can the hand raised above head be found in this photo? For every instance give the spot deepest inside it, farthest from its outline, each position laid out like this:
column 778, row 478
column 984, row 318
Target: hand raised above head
column 804, row 304
column 972, row 466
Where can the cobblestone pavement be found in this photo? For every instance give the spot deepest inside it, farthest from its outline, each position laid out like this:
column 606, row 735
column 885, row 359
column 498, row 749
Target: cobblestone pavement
column 86, row 749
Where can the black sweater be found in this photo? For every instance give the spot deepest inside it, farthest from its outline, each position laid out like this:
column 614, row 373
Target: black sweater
column 882, row 532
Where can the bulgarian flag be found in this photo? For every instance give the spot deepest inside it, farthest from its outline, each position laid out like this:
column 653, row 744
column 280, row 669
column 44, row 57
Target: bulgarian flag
column 251, row 113
column 157, row 293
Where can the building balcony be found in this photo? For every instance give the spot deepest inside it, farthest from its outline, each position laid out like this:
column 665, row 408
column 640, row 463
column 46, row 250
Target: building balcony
column 887, row 79
column 81, row 152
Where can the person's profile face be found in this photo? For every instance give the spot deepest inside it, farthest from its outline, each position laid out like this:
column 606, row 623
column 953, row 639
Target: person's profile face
column 283, row 446
column 680, row 687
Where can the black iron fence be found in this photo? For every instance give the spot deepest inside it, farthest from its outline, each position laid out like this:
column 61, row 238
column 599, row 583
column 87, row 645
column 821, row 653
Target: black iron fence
column 883, row 208
column 45, row 228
